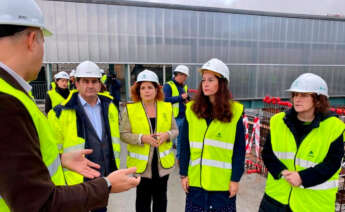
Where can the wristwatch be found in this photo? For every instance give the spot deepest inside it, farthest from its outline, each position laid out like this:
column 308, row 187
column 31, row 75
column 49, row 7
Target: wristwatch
column 108, row 183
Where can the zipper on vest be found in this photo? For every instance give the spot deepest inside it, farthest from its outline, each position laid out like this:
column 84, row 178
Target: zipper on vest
column 202, row 152
column 151, row 131
column 294, row 164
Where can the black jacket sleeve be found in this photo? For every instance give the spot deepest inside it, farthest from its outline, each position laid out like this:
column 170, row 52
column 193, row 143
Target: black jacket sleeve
column 273, row 164
column 327, row 168
column 239, row 153
column 185, row 149
column 48, row 104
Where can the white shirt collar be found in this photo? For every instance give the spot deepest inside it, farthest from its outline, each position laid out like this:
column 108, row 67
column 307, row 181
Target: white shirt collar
column 26, row 86
column 84, row 103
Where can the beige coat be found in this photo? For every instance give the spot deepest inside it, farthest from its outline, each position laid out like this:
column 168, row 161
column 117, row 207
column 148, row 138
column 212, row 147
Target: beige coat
column 128, row 137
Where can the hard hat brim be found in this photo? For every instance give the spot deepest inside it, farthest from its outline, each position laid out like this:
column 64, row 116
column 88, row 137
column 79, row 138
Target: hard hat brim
column 303, row 91
column 46, row 32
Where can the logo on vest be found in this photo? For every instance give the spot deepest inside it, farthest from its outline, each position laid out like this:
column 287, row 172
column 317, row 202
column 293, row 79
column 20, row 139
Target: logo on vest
column 165, row 117
column 219, row 135
column 311, row 154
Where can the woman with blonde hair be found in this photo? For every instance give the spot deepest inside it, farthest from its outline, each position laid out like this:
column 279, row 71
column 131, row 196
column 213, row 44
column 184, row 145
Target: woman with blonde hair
column 212, row 144
column 148, row 127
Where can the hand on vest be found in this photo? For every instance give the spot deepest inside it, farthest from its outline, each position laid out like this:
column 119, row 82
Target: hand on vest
column 150, row 140
column 76, row 161
column 233, row 189
column 185, row 183
column 292, row 177
column 123, row 180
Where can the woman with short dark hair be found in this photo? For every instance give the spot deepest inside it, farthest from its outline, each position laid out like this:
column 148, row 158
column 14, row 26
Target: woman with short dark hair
column 148, row 127
column 212, row 144
column 303, row 151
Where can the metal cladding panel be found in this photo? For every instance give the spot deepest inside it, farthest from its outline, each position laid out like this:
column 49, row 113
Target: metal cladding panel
column 265, row 54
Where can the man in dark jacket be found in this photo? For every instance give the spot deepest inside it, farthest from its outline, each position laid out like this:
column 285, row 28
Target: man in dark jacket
column 27, row 179
column 89, row 120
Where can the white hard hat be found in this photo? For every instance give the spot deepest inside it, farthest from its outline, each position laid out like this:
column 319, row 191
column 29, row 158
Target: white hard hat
column 22, row 13
column 88, row 69
column 216, row 66
column 182, row 69
column 61, row 75
column 72, row 74
column 102, row 71
column 309, row 82
column 147, row 76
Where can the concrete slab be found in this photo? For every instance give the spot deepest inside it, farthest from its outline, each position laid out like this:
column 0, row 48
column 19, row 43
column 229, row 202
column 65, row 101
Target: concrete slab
column 248, row 199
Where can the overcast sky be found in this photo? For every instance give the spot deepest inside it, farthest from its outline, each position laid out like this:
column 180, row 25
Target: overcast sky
column 310, row 7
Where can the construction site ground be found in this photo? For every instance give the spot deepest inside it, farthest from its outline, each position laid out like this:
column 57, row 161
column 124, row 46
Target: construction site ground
column 252, row 187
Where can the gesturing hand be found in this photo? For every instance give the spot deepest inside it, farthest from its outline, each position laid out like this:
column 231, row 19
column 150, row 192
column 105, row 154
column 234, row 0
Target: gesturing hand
column 76, row 161
column 122, row 180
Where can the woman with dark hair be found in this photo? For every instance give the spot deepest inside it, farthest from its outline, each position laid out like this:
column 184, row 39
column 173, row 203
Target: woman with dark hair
column 148, row 127
column 303, row 151
column 212, row 144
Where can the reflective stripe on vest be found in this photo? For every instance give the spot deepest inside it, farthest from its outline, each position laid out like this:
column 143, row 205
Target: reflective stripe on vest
column 115, row 140
column 174, row 93
column 67, row 124
column 53, row 168
column 211, row 150
column 312, row 151
column 74, row 148
column 213, row 143
column 212, row 163
column 138, row 155
column 46, row 136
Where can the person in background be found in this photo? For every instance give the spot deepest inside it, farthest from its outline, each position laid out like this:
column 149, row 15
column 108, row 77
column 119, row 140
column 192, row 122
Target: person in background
column 212, row 144
column 148, row 127
column 176, row 92
column 72, row 80
column 303, row 151
column 31, row 176
column 113, row 85
column 59, row 94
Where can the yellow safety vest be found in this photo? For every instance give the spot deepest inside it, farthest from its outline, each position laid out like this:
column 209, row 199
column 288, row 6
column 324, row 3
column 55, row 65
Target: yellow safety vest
column 104, row 78
column 66, row 125
column 53, row 85
column 47, row 139
column 174, row 92
column 138, row 155
column 211, row 149
column 55, row 97
column 311, row 152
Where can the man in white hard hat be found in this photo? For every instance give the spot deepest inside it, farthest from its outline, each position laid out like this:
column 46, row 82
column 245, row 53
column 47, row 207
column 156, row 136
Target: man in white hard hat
column 176, row 92
column 88, row 119
column 59, row 94
column 31, row 176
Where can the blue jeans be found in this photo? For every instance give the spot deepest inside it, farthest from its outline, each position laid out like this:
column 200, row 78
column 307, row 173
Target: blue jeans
column 179, row 122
